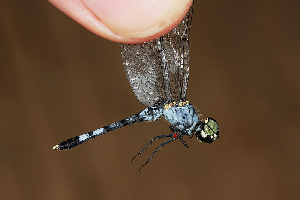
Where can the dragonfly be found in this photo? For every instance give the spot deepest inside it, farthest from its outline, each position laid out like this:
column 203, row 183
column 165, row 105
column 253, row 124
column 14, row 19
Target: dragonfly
column 158, row 73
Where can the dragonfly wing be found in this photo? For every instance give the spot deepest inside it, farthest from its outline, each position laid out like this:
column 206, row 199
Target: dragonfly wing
column 142, row 67
column 175, row 56
column 158, row 70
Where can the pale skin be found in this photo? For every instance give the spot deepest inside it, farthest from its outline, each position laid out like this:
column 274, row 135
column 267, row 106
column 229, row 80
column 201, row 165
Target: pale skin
column 126, row 21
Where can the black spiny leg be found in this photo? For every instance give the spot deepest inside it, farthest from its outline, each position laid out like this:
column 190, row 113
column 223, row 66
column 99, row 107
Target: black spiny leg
column 157, row 137
column 183, row 142
column 158, row 148
column 180, row 135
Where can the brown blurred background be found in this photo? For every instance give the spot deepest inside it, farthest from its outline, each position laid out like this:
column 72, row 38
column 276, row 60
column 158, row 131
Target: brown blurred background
column 58, row 80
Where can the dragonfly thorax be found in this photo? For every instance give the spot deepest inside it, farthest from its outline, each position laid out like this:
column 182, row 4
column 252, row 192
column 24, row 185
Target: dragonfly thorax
column 182, row 115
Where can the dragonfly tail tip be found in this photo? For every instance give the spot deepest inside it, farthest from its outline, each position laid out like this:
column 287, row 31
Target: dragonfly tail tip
column 56, row 147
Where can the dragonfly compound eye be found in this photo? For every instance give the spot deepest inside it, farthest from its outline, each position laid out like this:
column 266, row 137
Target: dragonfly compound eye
column 208, row 132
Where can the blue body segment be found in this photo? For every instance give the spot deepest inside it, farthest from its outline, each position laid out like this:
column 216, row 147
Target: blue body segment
column 184, row 117
column 151, row 113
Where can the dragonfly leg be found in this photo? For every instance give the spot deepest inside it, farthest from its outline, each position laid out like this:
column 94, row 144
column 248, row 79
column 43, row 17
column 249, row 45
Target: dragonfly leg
column 157, row 149
column 179, row 135
column 183, row 142
column 157, row 137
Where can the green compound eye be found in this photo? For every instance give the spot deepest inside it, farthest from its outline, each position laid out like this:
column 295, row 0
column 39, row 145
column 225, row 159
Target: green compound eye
column 208, row 132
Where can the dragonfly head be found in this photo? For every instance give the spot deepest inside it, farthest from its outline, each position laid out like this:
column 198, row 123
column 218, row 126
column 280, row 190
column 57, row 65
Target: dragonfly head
column 207, row 131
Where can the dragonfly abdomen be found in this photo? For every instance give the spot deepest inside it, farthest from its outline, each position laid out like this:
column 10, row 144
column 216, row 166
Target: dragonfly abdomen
column 148, row 114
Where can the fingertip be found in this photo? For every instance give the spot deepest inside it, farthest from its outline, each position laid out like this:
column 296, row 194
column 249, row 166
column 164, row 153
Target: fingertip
column 130, row 21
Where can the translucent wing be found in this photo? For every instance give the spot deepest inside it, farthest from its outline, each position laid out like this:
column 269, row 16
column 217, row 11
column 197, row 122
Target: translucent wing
column 158, row 70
